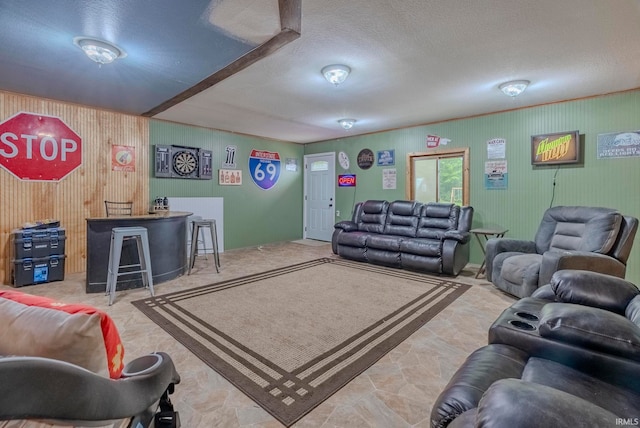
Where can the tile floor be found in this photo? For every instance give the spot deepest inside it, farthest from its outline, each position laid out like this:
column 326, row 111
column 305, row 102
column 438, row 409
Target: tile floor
column 398, row 391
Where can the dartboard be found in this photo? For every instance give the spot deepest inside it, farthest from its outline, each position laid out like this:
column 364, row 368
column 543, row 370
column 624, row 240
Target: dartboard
column 184, row 163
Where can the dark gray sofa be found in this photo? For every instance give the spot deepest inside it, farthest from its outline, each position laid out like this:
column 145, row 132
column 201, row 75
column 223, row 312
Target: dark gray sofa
column 431, row 237
column 567, row 356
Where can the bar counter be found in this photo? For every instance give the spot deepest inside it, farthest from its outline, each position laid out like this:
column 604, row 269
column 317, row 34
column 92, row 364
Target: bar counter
column 167, row 245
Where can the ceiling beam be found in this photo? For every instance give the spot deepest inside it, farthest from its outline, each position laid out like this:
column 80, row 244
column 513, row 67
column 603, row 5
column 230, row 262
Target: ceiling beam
column 290, row 23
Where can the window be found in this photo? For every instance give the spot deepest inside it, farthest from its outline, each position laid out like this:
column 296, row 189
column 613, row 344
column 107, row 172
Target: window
column 441, row 176
column 319, row 166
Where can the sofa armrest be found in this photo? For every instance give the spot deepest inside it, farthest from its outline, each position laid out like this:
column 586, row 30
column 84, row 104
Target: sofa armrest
column 553, row 261
column 483, row 367
column 545, row 293
column 590, row 328
column 458, row 235
column 593, row 289
column 504, row 245
column 516, row 403
column 346, row 225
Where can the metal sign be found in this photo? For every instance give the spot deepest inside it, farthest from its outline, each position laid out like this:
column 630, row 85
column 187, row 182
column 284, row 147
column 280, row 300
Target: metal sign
column 365, row 159
column 264, row 168
column 38, row 147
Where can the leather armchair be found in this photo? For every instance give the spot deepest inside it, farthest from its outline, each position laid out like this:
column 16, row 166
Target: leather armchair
column 586, row 238
column 570, row 353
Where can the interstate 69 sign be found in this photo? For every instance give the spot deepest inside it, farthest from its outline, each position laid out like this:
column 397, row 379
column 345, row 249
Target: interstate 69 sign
column 264, row 168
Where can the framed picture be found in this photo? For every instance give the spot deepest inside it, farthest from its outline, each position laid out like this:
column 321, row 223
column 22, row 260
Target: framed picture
column 555, row 149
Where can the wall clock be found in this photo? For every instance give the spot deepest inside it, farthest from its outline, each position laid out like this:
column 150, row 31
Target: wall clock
column 343, row 159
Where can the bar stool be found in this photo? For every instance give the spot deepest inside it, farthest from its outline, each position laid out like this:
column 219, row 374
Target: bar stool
column 196, row 226
column 201, row 240
column 118, row 236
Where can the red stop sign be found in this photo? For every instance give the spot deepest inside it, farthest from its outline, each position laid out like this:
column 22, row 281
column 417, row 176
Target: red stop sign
column 38, row 147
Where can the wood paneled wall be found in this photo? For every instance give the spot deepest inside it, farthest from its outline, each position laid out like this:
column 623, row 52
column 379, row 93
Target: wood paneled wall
column 82, row 193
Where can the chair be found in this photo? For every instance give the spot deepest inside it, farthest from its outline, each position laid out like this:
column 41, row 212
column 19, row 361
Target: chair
column 567, row 356
column 118, row 209
column 197, row 225
column 201, row 238
column 37, row 389
column 118, row 236
column 62, row 364
column 569, row 237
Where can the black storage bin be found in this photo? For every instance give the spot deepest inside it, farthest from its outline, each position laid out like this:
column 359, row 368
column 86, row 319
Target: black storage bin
column 37, row 243
column 37, row 270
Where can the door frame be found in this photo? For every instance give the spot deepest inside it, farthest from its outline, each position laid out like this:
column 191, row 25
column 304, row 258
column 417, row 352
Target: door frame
column 464, row 152
column 306, row 190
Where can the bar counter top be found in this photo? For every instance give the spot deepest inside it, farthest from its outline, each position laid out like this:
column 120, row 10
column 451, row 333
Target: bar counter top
column 158, row 215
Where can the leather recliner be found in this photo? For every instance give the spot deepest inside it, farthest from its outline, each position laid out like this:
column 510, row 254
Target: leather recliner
column 587, row 238
column 567, row 356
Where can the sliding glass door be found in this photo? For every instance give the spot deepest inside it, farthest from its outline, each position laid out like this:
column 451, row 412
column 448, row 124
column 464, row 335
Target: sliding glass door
column 441, row 176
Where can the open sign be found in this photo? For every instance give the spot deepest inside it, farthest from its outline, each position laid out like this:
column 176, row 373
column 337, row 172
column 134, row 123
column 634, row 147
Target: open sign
column 347, row 180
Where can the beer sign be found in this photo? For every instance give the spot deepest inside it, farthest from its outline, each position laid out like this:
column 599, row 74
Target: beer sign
column 557, row 148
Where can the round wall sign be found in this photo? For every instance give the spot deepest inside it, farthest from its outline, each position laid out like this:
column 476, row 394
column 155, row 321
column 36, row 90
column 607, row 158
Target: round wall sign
column 365, row 159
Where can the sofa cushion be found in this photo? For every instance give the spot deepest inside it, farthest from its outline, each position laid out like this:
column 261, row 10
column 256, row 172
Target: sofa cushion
column 422, row 247
column 591, row 328
column 384, row 242
column 373, row 216
column 421, row 263
column 436, row 219
column 633, row 311
column 593, row 289
column 516, row 403
column 353, row 239
column 591, row 229
column 402, row 218
column 41, row 327
column 575, row 382
column 383, row 257
column 517, row 268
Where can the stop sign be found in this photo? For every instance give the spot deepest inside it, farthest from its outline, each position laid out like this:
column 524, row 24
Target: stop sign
column 39, row 147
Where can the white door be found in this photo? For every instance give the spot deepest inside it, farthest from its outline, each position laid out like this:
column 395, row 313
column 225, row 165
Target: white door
column 319, row 195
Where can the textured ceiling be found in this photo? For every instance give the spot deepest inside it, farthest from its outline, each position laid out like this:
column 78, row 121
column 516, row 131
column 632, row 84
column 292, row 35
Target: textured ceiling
column 413, row 61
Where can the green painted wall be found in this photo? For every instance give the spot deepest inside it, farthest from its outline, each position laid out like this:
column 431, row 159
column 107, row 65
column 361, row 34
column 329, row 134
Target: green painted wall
column 252, row 216
column 596, row 182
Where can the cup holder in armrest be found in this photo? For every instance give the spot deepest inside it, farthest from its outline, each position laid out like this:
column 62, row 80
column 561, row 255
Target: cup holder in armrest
column 522, row 325
column 527, row 316
column 142, row 365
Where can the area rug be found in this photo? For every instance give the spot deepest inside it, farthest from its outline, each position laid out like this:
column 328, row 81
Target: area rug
column 291, row 337
column 311, row 242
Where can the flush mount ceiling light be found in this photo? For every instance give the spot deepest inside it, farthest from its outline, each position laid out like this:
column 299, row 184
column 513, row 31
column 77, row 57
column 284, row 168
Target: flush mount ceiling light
column 514, row 88
column 336, row 73
column 347, row 123
column 98, row 50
